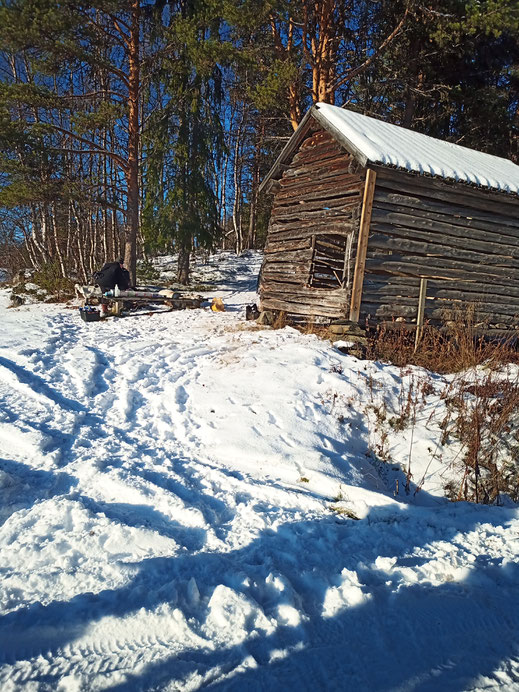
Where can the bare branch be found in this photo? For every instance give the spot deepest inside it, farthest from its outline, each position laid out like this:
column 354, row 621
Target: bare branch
column 87, row 142
column 354, row 71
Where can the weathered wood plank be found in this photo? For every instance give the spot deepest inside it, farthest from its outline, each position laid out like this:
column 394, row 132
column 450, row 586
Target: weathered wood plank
column 437, row 252
column 362, row 245
column 324, row 152
column 337, row 227
column 302, row 309
column 301, row 296
column 287, row 256
column 440, row 313
column 417, row 266
column 329, row 204
column 411, row 220
column 503, row 306
column 283, row 268
column 453, row 240
column 379, row 282
column 316, row 192
column 272, row 246
column 299, row 212
column 450, row 213
column 316, row 138
column 315, row 168
column 319, row 193
column 374, row 293
column 426, row 187
column 310, row 177
column 293, row 279
column 439, row 263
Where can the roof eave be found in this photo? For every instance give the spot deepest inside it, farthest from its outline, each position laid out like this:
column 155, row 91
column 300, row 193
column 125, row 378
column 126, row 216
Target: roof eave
column 339, row 136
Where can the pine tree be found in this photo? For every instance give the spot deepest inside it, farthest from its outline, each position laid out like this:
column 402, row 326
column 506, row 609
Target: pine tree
column 183, row 141
column 75, row 85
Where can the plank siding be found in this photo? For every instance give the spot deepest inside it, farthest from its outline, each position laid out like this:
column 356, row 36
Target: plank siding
column 464, row 241
column 316, row 204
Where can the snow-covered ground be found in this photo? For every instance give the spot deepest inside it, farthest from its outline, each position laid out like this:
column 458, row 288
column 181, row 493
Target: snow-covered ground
column 176, row 494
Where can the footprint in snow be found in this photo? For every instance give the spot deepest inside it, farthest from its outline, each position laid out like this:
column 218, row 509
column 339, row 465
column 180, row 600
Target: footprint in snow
column 181, row 398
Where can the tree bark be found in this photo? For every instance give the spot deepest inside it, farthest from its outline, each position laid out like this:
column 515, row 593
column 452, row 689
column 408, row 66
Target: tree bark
column 132, row 175
column 183, row 265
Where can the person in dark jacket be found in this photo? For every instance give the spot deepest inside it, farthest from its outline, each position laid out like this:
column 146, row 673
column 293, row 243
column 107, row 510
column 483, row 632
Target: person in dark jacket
column 113, row 274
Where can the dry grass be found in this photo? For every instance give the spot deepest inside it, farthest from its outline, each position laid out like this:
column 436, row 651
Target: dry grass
column 280, row 320
column 484, row 416
column 454, row 347
column 481, row 402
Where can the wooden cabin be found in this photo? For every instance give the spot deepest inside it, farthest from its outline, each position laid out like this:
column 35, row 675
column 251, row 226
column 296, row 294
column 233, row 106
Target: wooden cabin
column 373, row 222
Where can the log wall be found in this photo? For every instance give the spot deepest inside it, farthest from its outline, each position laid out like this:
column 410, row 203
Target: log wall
column 465, row 241
column 308, row 263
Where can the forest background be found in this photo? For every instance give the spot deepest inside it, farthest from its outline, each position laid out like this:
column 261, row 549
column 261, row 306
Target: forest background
column 134, row 127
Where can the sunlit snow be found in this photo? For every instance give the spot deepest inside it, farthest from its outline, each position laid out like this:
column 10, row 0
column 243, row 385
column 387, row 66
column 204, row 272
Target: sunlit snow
column 175, row 502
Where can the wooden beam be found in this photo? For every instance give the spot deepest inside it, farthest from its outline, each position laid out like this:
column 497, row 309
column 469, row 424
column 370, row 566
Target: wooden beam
column 362, row 245
column 421, row 311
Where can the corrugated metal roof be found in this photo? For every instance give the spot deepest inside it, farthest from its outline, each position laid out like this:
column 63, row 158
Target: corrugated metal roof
column 379, row 142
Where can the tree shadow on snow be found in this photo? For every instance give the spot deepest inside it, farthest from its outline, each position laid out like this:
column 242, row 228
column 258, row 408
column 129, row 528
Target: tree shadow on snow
column 416, row 637
column 21, row 486
column 146, row 517
column 39, row 386
column 393, row 634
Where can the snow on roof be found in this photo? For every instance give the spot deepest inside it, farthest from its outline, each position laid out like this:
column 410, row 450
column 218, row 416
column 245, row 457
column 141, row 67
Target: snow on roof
column 391, row 145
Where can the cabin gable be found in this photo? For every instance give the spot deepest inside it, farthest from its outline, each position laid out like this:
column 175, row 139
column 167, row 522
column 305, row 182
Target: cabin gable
column 310, row 251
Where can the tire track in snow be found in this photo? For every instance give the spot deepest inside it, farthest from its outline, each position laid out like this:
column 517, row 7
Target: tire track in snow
column 96, row 658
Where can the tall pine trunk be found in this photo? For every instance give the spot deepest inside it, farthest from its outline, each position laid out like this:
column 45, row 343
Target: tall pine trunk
column 132, row 174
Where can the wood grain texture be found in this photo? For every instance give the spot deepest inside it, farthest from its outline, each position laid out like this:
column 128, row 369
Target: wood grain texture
column 464, row 241
column 362, row 245
column 315, row 213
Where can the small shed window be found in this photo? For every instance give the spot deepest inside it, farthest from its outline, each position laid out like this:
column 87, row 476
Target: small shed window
column 330, row 261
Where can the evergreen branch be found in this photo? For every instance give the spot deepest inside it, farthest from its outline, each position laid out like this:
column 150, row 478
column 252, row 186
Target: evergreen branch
column 119, row 20
column 92, row 94
column 120, row 31
column 97, row 152
column 354, row 71
column 101, row 28
column 87, row 142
